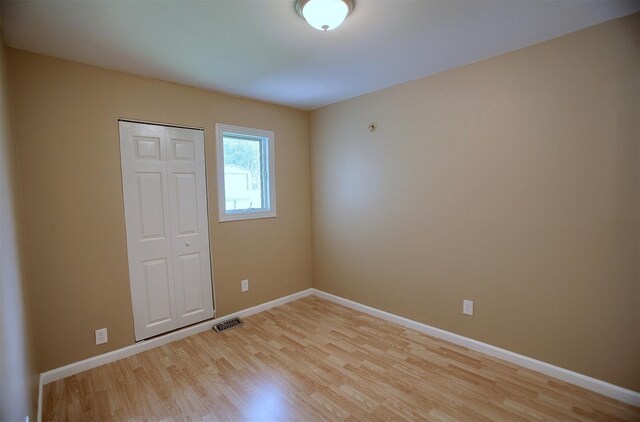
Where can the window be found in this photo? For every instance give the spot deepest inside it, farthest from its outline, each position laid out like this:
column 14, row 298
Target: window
column 246, row 178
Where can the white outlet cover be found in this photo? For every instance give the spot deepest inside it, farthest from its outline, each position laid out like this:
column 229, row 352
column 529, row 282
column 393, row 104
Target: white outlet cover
column 467, row 307
column 101, row 336
column 245, row 285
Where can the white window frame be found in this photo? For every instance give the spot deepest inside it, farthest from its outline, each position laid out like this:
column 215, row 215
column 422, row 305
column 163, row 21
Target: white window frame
column 265, row 136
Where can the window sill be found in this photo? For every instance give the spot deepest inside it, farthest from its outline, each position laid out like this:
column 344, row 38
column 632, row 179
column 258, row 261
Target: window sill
column 246, row 216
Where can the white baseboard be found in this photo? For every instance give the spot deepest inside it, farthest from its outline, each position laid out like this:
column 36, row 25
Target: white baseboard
column 604, row 388
column 141, row 346
column 134, row 349
column 584, row 381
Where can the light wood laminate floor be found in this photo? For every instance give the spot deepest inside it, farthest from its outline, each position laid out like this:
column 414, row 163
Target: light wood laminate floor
column 315, row 360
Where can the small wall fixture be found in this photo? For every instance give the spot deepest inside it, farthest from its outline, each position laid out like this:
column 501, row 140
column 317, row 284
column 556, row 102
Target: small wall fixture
column 324, row 15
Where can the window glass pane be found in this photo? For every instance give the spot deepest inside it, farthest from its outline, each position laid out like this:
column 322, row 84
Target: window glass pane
column 242, row 173
column 245, row 171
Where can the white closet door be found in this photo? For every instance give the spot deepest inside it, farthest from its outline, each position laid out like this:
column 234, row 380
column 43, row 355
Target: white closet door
column 146, row 199
column 163, row 176
column 189, row 225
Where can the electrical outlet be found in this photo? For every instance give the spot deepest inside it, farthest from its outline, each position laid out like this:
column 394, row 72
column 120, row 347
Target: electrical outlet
column 467, row 307
column 101, row 336
column 245, row 285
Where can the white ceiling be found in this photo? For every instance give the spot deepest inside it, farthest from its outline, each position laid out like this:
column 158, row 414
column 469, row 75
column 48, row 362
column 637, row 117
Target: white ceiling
column 262, row 49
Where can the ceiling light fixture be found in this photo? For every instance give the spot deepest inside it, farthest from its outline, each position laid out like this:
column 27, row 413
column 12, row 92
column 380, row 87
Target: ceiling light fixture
column 324, row 15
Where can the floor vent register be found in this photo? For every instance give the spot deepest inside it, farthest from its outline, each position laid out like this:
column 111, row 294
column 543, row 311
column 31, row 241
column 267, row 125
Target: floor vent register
column 227, row 325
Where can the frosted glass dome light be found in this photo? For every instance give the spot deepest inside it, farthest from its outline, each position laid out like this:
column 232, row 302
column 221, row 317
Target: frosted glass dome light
column 324, row 15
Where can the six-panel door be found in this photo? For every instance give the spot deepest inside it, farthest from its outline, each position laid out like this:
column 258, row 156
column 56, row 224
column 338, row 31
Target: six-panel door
column 163, row 175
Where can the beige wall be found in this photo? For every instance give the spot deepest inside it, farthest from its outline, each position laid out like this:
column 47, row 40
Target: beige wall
column 18, row 374
column 513, row 182
column 66, row 121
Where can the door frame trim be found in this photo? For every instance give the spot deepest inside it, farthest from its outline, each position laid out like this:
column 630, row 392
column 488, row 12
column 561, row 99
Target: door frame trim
column 149, row 122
